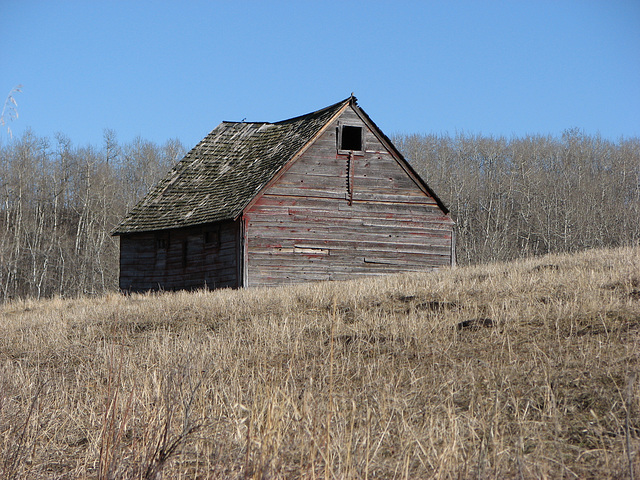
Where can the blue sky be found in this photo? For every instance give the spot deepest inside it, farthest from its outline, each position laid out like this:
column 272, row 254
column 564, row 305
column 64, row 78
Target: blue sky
column 174, row 70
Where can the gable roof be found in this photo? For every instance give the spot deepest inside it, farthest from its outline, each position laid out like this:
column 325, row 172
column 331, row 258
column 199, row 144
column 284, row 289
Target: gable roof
column 220, row 176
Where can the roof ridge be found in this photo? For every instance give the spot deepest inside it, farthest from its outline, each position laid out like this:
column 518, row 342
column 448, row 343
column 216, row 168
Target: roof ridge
column 243, row 122
column 318, row 112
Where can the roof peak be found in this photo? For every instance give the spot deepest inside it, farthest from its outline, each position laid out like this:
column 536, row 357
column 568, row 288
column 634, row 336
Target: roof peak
column 335, row 106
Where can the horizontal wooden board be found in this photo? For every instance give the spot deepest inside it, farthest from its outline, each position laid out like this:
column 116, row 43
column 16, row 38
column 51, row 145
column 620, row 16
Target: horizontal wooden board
column 283, row 206
column 356, row 223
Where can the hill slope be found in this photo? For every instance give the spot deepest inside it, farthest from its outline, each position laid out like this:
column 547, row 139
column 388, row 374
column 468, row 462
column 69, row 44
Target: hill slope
column 520, row 370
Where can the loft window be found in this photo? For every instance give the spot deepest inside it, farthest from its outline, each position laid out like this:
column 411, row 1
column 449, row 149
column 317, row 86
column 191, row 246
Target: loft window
column 350, row 139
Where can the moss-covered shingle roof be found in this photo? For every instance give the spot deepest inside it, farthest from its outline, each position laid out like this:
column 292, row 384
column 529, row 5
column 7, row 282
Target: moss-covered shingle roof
column 224, row 172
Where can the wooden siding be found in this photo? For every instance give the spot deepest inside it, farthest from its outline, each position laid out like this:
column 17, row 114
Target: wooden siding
column 186, row 258
column 333, row 216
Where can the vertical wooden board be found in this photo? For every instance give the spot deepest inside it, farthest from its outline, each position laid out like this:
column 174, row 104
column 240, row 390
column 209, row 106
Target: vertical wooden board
column 187, row 262
column 137, row 259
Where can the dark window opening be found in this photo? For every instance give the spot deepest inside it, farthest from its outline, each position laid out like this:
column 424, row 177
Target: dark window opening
column 212, row 238
column 351, row 138
column 162, row 243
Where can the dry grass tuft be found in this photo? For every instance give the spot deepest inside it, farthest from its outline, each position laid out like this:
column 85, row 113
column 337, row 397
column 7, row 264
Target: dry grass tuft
column 519, row 370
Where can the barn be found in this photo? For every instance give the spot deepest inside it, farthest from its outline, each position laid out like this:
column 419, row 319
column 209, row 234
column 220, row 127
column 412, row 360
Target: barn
column 322, row 196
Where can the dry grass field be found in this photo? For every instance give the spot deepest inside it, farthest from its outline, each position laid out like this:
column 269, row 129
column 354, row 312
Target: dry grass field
column 519, row 370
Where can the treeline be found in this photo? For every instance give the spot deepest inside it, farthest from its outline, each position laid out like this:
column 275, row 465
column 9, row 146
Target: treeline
column 534, row 195
column 58, row 204
column 510, row 198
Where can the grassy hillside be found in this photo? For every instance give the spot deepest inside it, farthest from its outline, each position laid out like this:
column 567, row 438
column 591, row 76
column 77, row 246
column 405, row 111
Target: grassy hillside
column 519, row 370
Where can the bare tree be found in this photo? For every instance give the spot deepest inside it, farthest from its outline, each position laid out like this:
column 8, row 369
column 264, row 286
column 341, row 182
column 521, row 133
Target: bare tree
column 532, row 195
column 10, row 109
column 510, row 198
column 58, row 205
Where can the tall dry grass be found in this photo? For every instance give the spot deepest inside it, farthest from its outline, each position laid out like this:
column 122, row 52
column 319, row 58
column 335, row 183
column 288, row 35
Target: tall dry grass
column 519, row 370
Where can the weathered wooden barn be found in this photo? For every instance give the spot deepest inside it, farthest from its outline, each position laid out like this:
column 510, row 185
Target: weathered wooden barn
column 323, row 196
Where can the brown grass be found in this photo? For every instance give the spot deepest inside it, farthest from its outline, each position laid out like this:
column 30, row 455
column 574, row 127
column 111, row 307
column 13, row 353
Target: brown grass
column 519, row 370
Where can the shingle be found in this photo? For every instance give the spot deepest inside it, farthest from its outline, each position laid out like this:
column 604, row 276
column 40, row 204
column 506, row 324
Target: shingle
column 224, row 172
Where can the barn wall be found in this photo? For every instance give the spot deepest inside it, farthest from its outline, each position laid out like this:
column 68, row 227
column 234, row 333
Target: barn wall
column 332, row 218
column 186, row 258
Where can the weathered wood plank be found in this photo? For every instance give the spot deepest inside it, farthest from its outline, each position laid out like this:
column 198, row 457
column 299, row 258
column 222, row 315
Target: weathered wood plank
column 273, row 225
